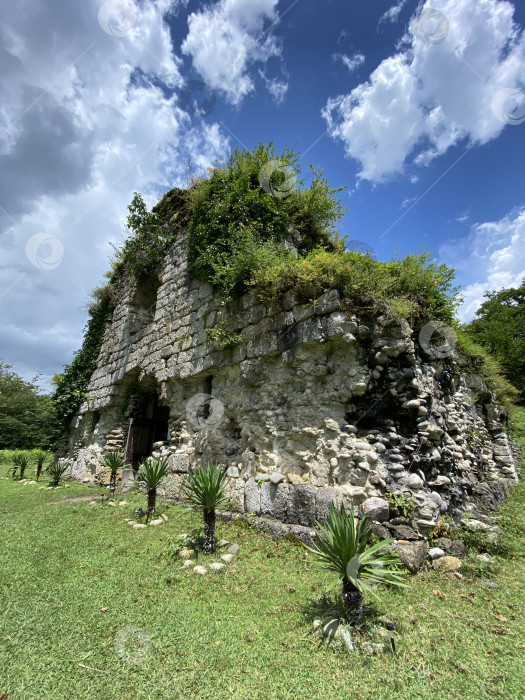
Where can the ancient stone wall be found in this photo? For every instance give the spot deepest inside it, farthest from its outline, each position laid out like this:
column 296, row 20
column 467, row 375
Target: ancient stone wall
column 315, row 405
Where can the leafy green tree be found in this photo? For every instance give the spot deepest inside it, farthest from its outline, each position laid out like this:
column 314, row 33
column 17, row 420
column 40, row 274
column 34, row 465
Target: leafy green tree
column 499, row 326
column 27, row 417
column 146, row 243
column 344, row 547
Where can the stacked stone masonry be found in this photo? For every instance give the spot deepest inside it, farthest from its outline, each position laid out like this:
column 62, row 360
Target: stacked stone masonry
column 319, row 406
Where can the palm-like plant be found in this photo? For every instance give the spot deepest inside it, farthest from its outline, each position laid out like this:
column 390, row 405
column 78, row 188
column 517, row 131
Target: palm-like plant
column 113, row 461
column 22, row 461
column 205, row 487
column 56, row 471
column 151, row 472
column 41, row 458
column 344, row 547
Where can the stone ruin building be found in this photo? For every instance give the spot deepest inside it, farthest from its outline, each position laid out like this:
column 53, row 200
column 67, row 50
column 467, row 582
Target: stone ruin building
column 314, row 406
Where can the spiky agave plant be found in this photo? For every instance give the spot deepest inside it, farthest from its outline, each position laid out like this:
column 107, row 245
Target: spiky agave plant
column 41, row 457
column 344, row 547
column 151, row 472
column 56, row 471
column 113, row 461
column 205, row 487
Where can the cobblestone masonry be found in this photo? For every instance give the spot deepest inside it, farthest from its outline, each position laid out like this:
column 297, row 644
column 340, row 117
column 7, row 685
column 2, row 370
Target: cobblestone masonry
column 319, row 406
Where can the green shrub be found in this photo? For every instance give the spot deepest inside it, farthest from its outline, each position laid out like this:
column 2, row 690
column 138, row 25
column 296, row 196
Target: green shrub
column 412, row 287
column 236, row 223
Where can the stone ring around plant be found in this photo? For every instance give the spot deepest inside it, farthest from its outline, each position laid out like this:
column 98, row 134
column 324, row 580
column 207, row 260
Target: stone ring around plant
column 126, row 641
column 204, row 412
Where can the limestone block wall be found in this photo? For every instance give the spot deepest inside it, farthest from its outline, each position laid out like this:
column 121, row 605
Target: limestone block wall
column 314, row 406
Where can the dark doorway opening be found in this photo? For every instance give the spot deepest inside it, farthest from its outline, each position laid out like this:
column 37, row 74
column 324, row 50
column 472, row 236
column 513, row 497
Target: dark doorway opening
column 147, row 426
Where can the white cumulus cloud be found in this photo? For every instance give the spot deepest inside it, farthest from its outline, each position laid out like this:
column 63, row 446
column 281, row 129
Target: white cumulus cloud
column 438, row 90
column 226, row 39
column 491, row 257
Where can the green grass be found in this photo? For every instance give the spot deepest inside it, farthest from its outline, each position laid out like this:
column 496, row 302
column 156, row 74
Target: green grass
column 244, row 632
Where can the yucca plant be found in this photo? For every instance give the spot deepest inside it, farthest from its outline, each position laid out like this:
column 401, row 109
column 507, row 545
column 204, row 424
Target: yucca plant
column 41, row 457
column 205, row 487
column 56, row 471
column 113, row 461
column 151, row 472
column 344, row 547
column 23, row 463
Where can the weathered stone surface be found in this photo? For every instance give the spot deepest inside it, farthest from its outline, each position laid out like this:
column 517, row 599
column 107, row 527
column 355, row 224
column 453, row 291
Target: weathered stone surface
column 435, row 553
column 216, row 566
column 301, row 505
column 323, row 500
column 252, row 497
column 313, row 394
column 457, row 549
column 227, row 558
column 412, row 555
column 139, row 526
column 447, row 564
column 233, row 549
column 200, row 570
column 403, row 532
column 375, row 509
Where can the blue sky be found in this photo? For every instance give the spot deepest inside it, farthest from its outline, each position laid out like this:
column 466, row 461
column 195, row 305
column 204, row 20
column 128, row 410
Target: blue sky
column 417, row 108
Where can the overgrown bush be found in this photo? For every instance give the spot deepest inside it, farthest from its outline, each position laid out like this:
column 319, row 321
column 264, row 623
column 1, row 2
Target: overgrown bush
column 236, row 223
column 410, row 287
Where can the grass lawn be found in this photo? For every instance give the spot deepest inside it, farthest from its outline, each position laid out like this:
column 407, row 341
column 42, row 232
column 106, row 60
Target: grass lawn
column 78, row 588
